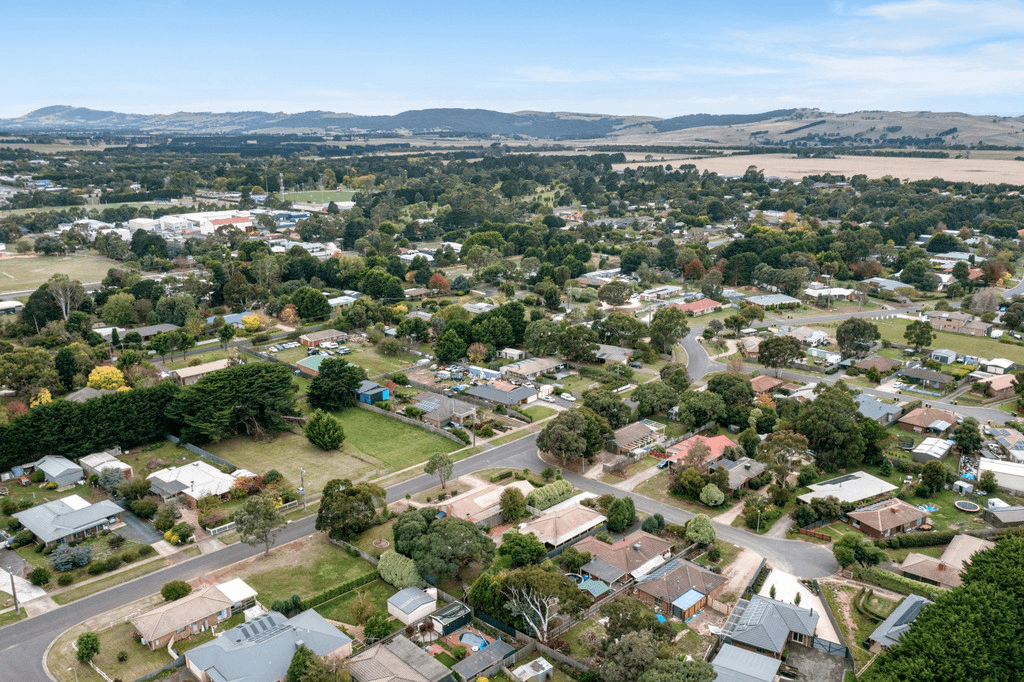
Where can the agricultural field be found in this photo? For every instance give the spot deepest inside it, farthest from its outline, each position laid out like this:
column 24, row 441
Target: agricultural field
column 22, row 273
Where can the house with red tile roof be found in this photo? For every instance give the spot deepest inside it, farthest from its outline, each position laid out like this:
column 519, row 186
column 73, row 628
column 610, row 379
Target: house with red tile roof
column 677, row 454
column 699, row 307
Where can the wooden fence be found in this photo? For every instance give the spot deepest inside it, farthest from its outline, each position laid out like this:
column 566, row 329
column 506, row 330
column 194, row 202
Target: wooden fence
column 814, row 534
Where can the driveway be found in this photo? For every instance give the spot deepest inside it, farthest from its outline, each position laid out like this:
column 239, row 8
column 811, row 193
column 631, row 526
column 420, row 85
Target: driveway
column 137, row 530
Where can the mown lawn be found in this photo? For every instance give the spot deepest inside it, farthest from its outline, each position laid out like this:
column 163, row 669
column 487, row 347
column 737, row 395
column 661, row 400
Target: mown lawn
column 28, row 273
column 393, row 442
column 305, row 569
column 338, row 608
column 191, row 360
column 538, row 412
column 892, row 330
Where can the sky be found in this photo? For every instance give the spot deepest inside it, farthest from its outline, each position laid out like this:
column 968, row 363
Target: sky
column 661, row 59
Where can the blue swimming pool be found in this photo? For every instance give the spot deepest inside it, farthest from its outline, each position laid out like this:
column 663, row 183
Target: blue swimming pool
column 471, row 639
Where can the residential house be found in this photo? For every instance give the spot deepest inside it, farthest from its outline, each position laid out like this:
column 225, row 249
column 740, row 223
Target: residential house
column 774, row 301
column 193, row 481
column 944, row 570
column 880, row 411
column 1009, row 475
column 999, row 387
column 234, row 319
column 561, row 525
column 805, row 335
column 881, row 363
column 370, row 392
column 532, row 368
column 486, row 661
column 767, row 627
column 411, row 605
column 440, row 411
column 854, row 487
column 819, row 292
column 661, row 293
column 11, row 307
column 612, row 355
column 635, row 555
column 927, row 378
column 504, row 393
column 314, row 339
column 182, row 618
column 69, row 519
column 944, row 356
column 59, row 470
column 883, row 284
column 97, row 462
column 679, row 588
column 186, row 376
column 892, row 629
column 741, row 471
column 750, row 346
column 482, row 505
column 1011, row 442
column 699, row 307
column 262, row 649
column 927, row 420
column 397, row 660
column 417, row 292
column 999, row 366
column 765, row 385
column 599, row 278
column 733, row 664
column 634, row 436
column 149, row 331
column 889, row 517
column 511, row 354
column 87, row 393
column 957, row 322
column 678, row 453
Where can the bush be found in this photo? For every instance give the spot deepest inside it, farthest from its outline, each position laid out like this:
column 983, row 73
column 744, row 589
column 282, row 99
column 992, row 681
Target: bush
column 115, row 541
column 8, row 506
column 176, row 589
column 896, row 583
column 129, row 557
column 923, row 491
column 96, row 568
column 459, row 652
column 65, row 579
column 40, row 576
column 88, row 644
column 289, row 607
column 399, row 571
column 400, row 379
column 929, row 539
column 183, row 531
column 485, row 432
column 272, row 476
column 550, row 495
column 808, row 475
column 22, row 538
column 122, row 656
column 112, row 563
column 501, row 476
column 164, row 520
column 146, row 550
column 66, row 558
column 461, row 435
column 38, row 476
column 711, row 495
column 144, row 509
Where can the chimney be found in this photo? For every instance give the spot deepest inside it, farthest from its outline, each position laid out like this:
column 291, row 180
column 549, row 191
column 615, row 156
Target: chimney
column 892, row 509
column 636, row 546
column 942, row 566
column 298, row 643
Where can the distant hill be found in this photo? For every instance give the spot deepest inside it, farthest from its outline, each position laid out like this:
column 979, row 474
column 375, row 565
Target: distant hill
column 786, row 127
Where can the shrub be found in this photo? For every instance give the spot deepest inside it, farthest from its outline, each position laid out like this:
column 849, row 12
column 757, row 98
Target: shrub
column 24, row 503
column 923, row 491
column 8, row 506
column 459, row 652
column 272, row 476
column 112, row 563
column 40, row 576
column 96, row 568
column 289, row 607
column 176, row 589
column 711, row 495
column 399, row 571
column 88, row 645
column 400, row 379
column 65, row 579
column 461, row 435
column 66, row 558
column 501, row 476
column 144, row 509
column 38, row 476
column 128, row 557
column 715, row 553
column 164, row 520
column 122, row 656
column 52, row 485
column 338, row 590
column 183, row 531
column 146, row 550
column 22, row 538
column 550, row 495
column 115, row 541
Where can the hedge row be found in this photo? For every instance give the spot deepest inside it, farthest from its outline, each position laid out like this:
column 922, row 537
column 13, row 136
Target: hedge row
column 550, row 495
column 327, row 595
column 929, row 539
column 498, row 477
column 896, row 583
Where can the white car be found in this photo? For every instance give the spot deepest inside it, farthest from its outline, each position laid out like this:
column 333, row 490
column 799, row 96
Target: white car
column 547, row 399
column 568, row 396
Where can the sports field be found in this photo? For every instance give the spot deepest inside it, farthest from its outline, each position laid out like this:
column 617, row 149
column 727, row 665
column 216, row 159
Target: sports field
column 18, row 273
column 320, row 197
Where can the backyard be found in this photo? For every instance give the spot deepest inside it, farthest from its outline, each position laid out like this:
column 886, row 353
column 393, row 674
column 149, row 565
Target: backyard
column 395, row 443
column 217, row 353
column 859, row 612
column 338, row 609
column 656, row 488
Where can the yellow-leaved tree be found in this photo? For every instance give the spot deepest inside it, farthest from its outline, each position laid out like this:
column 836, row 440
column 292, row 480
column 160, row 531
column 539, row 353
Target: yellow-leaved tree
column 251, row 323
column 41, row 398
column 106, row 376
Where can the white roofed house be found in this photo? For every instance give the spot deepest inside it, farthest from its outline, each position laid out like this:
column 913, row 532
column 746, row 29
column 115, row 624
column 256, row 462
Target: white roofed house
column 193, row 481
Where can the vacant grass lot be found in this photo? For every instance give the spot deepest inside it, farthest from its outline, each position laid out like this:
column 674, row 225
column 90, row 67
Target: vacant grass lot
column 381, row 532
column 17, row 274
column 323, row 565
column 198, row 359
column 289, row 452
column 395, row 443
column 145, row 461
column 338, row 608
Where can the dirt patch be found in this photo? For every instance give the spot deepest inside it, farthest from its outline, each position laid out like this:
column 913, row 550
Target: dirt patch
column 739, row 573
column 266, row 562
column 381, row 543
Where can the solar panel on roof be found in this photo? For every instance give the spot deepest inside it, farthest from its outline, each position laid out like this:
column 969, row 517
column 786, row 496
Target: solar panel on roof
column 841, row 479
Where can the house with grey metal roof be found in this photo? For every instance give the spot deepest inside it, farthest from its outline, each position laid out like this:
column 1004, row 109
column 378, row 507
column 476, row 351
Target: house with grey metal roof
column 481, row 662
column 59, row 470
column 397, row 660
column 877, row 410
column 771, row 301
column 741, row 471
column 87, row 393
column 853, row 487
column 733, row 664
column 68, row 519
column 262, row 649
column 440, row 410
column 767, row 626
column 517, row 395
column 411, row 604
column 896, row 625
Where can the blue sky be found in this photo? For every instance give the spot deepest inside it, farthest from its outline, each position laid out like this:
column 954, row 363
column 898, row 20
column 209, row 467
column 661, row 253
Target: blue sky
column 652, row 58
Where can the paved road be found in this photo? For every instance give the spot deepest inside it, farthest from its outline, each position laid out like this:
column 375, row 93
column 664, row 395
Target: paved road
column 23, row 644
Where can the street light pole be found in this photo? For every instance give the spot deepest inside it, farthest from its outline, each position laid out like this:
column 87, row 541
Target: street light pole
column 302, row 487
column 758, row 520
column 14, row 593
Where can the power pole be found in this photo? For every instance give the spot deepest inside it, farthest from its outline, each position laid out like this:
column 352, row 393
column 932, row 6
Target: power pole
column 17, row 607
column 302, row 487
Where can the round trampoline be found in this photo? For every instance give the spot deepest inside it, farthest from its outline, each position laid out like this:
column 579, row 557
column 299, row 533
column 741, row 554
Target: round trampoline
column 969, row 507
